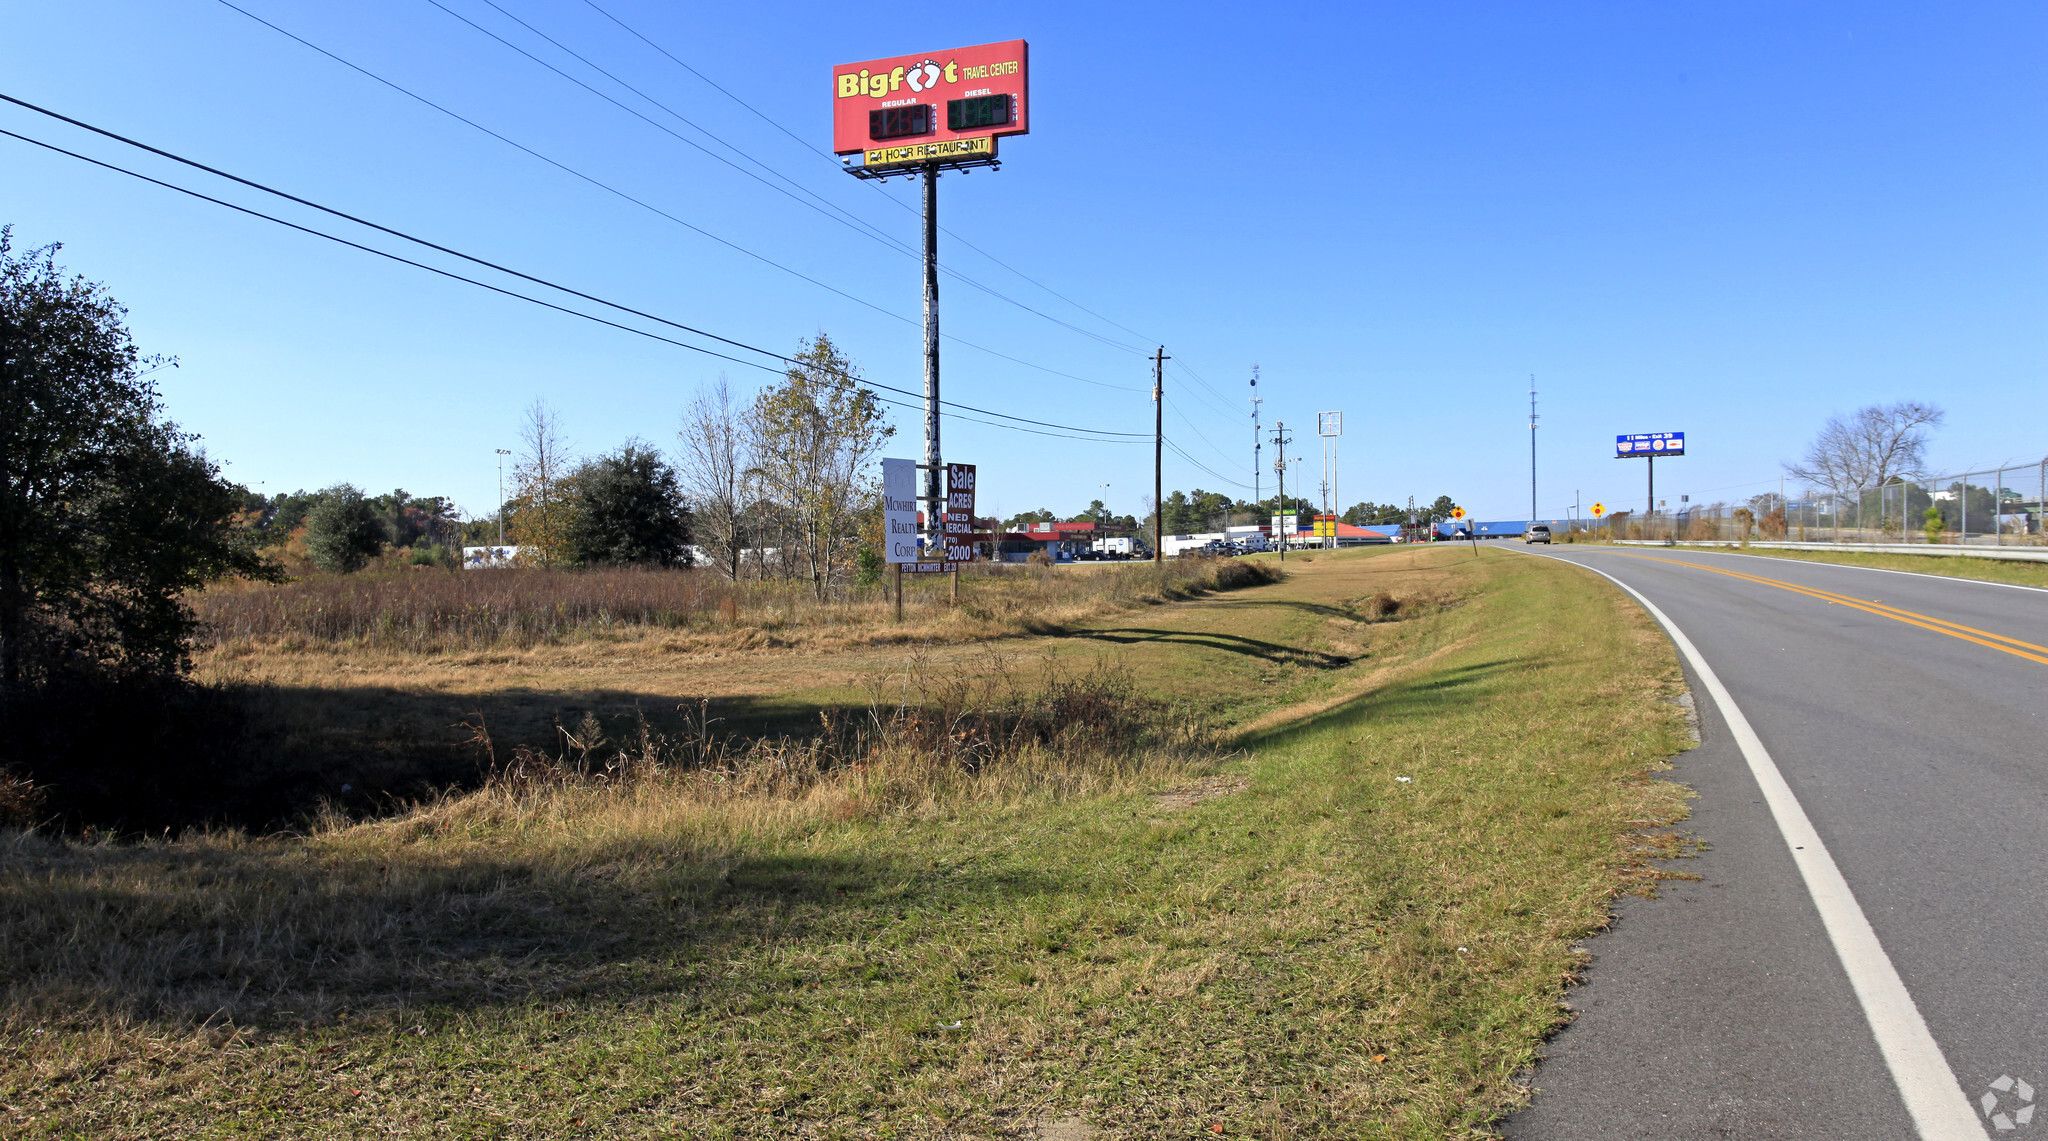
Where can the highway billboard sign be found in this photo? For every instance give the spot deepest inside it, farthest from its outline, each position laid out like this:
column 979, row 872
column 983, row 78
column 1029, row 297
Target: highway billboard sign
column 1651, row 444
column 908, row 102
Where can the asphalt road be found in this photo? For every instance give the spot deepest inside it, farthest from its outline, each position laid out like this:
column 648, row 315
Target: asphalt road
column 1915, row 740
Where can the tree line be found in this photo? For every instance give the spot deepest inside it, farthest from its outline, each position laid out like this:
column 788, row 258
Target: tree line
column 110, row 514
column 1200, row 511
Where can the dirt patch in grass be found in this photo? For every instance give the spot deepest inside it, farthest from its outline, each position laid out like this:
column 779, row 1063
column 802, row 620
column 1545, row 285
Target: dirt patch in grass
column 1195, row 792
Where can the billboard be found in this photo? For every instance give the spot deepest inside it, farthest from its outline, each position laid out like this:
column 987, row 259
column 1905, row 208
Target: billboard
column 1649, row 444
column 909, row 101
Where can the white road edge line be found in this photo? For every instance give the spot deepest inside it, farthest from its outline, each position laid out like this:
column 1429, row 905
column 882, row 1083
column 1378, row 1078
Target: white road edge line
column 1935, row 1099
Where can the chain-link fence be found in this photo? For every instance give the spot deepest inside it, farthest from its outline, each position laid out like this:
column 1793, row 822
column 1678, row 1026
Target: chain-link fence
column 2001, row 506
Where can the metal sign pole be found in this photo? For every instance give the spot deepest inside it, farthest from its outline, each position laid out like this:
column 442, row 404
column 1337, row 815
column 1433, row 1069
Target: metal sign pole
column 934, row 501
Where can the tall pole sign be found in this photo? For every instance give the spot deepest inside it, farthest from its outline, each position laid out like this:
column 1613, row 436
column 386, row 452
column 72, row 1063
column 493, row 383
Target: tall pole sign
column 1648, row 446
column 1329, row 425
column 916, row 115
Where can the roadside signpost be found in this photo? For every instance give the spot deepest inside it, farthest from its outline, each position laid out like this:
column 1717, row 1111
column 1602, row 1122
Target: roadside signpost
column 1599, row 509
column 1458, row 514
column 1648, row 446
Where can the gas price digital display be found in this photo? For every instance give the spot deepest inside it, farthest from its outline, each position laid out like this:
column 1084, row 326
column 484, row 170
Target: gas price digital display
column 897, row 122
column 977, row 112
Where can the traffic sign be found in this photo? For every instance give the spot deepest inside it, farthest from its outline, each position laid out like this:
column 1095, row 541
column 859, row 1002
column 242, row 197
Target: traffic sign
column 1599, row 509
column 1457, row 512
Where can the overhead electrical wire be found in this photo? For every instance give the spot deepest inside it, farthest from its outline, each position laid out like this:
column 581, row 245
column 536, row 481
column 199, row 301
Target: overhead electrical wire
column 1208, row 402
column 1182, row 453
column 1093, row 433
column 1227, row 457
column 643, row 204
column 681, row 118
column 800, row 141
column 858, row 227
column 822, row 206
column 1221, row 403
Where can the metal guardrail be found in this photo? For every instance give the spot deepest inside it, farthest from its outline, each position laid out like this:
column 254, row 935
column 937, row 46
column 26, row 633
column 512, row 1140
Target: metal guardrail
column 2005, row 506
column 2010, row 554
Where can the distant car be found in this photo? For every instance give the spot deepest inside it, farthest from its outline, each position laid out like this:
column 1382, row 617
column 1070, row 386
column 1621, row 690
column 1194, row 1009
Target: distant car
column 1536, row 534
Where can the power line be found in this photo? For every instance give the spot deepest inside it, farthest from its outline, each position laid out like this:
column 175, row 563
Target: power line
column 1182, row 453
column 858, row 227
column 615, row 191
column 1222, row 404
column 1124, row 437
column 863, row 227
column 1198, row 434
column 800, row 141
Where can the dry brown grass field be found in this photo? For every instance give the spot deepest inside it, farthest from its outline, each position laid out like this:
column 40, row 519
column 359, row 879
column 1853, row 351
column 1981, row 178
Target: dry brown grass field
column 1304, row 858
column 368, row 688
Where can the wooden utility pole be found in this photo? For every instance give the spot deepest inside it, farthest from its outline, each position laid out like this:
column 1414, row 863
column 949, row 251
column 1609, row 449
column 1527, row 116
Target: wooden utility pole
column 1282, row 531
column 1159, row 360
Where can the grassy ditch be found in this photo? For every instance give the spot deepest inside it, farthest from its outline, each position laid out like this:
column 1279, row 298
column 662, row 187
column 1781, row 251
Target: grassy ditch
column 1352, row 916
column 1948, row 566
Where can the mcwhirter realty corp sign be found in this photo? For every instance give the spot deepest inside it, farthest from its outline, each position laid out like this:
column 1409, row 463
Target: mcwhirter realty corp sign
column 899, row 510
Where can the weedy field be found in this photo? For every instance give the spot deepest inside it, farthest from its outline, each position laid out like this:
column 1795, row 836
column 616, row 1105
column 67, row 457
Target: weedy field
column 357, row 690
column 1305, row 858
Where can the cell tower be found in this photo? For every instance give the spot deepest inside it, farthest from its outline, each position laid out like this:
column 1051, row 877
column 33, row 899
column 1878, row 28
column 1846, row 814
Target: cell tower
column 1256, row 444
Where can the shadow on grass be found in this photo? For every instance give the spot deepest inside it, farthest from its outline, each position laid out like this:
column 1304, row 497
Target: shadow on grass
column 280, row 933
column 268, row 757
column 1400, row 701
column 1230, row 643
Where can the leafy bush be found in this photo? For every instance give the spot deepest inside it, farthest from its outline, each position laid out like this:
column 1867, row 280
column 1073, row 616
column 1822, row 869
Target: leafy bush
column 342, row 530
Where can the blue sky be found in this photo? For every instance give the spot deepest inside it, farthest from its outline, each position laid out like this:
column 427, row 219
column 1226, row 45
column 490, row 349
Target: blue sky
column 1727, row 219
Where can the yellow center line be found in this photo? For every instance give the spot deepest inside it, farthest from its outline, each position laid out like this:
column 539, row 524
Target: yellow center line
column 2012, row 646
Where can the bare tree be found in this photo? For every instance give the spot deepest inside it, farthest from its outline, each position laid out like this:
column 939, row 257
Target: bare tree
column 714, row 465
column 1880, row 443
column 814, row 439
column 540, row 516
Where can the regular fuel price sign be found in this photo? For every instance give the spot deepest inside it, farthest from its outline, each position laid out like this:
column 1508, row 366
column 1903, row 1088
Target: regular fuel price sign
column 1651, row 444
